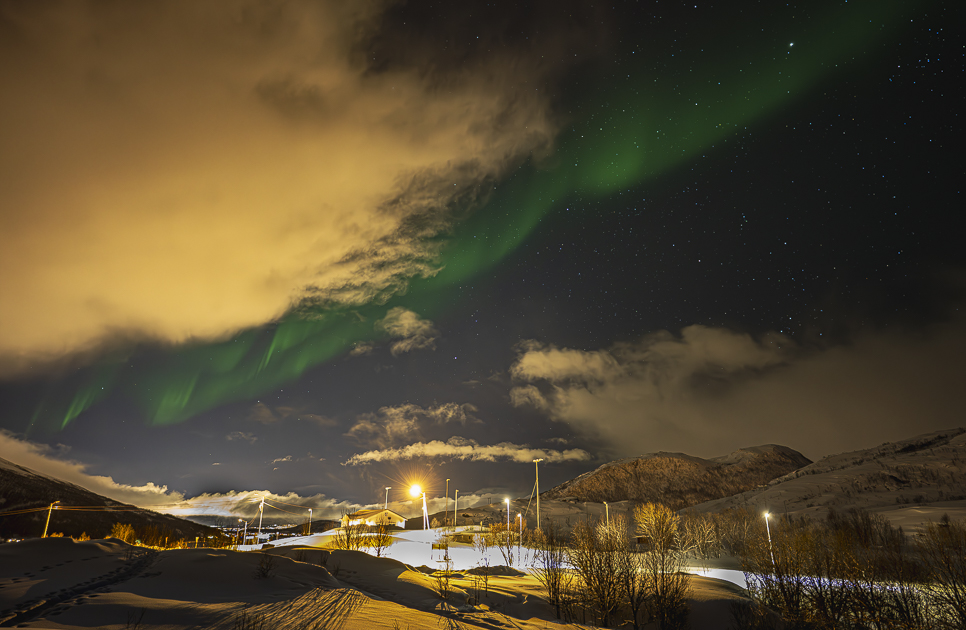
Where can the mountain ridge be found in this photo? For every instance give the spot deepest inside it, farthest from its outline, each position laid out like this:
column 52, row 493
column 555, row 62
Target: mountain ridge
column 680, row 480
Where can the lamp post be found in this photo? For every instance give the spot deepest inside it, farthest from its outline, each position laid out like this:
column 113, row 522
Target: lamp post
column 456, row 503
column 310, row 521
column 415, row 491
column 536, row 468
column 507, row 501
column 520, row 539
column 388, row 488
column 770, row 550
column 446, row 509
column 49, row 510
column 261, row 511
column 607, row 510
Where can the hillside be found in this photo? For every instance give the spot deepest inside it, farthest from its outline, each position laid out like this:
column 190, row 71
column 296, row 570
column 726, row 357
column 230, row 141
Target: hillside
column 680, row 480
column 25, row 489
column 908, row 481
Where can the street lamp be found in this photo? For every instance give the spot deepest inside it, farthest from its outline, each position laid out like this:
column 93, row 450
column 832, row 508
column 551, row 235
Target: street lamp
column 456, row 503
column 520, row 539
column 446, row 509
column 536, row 467
column 415, row 491
column 770, row 550
column 49, row 510
column 261, row 511
column 388, row 488
column 241, row 520
column 310, row 521
column 507, row 501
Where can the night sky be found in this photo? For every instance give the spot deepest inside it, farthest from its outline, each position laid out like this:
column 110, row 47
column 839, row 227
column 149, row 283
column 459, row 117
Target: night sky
column 320, row 248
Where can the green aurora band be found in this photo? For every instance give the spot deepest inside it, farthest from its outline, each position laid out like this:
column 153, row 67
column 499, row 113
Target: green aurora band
column 627, row 133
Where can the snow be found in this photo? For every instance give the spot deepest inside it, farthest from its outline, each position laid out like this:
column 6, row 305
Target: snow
column 57, row 583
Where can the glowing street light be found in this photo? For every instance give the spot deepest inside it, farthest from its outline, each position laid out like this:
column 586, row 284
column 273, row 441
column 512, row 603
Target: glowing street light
column 49, row 510
column 261, row 511
column 520, row 539
column 446, row 509
column 416, row 491
column 456, row 503
column 768, row 529
column 388, row 488
column 310, row 521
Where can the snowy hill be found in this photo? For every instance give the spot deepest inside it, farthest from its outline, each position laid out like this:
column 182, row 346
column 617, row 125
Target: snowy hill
column 679, row 480
column 25, row 489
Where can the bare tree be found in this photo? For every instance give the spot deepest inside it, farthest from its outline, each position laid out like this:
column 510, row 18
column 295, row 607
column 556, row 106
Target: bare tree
column 379, row 538
column 503, row 539
column 667, row 584
column 942, row 547
column 550, row 569
column 594, row 555
column 481, row 545
column 349, row 537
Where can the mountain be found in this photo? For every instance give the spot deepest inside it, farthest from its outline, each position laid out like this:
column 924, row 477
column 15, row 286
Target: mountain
column 679, row 480
column 24, row 489
column 909, row 481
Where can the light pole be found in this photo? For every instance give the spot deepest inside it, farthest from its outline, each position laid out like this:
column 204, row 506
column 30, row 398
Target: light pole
column 520, row 539
column 507, row 501
column 310, row 521
column 456, row 503
column 245, row 534
column 446, row 509
column 607, row 510
column 770, row 550
column 49, row 510
column 261, row 511
column 388, row 488
column 536, row 468
column 415, row 491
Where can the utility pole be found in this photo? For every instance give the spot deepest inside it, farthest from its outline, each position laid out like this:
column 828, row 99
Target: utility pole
column 49, row 510
column 261, row 511
column 456, row 503
column 446, row 509
column 536, row 467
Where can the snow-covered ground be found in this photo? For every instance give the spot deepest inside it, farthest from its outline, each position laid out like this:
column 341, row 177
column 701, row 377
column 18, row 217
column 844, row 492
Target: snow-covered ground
column 59, row 584
column 415, row 548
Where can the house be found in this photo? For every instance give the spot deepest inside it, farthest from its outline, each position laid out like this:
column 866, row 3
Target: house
column 373, row 517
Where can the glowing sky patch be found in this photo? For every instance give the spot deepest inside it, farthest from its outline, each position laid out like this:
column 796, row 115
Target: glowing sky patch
column 624, row 130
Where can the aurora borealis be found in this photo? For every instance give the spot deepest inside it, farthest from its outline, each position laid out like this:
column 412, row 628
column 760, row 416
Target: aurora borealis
column 575, row 229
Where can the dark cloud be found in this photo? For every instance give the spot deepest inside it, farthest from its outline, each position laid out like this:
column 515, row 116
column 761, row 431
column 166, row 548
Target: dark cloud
column 710, row 390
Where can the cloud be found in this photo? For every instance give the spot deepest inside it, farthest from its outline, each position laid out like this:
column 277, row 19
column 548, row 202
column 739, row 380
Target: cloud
column 239, row 435
column 711, row 390
column 263, row 414
column 416, row 333
column 287, row 458
column 403, row 423
column 244, row 504
column 48, row 461
column 465, row 449
column 183, row 171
